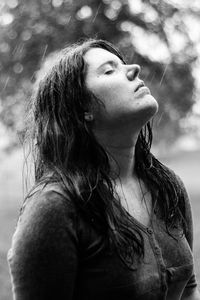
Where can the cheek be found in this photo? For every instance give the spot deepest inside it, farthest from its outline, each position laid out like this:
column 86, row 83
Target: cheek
column 110, row 94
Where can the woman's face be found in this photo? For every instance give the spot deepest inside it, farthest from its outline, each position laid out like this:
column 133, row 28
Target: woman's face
column 126, row 100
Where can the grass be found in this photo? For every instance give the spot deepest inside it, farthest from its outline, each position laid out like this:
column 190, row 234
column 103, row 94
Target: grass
column 184, row 164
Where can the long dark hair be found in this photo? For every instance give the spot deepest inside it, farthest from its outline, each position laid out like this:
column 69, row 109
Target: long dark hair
column 66, row 151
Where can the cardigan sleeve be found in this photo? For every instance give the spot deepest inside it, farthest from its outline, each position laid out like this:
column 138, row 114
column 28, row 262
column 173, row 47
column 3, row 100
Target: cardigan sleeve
column 43, row 258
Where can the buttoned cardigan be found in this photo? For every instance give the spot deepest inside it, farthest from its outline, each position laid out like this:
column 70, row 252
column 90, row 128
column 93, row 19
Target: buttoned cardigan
column 55, row 254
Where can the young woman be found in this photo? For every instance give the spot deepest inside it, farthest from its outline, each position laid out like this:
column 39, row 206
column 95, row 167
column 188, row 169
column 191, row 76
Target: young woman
column 105, row 219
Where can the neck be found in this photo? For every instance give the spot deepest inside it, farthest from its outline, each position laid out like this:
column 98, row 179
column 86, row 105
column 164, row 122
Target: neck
column 121, row 151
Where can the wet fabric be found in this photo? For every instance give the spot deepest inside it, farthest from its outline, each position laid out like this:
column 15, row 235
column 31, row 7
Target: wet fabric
column 55, row 254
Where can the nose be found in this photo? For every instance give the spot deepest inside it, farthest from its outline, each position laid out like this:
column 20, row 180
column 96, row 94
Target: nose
column 133, row 71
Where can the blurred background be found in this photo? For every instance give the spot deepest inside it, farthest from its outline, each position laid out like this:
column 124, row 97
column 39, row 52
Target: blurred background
column 162, row 36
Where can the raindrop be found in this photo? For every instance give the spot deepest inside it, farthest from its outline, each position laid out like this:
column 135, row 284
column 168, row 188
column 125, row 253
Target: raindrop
column 96, row 13
column 63, row 20
column 15, row 49
column 18, row 68
column 44, row 52
column 33, row 76
column 18, row 50
column 152, row 77
column 6, row 83
column 163, row 74
column 84, row 13
column 159, row 120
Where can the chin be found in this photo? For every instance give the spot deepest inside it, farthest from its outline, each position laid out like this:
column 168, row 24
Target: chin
column 147, row 108
column 152, row 104
column 149, row 103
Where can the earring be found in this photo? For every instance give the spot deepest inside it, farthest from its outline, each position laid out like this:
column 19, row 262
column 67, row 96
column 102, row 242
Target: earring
column 88, row 117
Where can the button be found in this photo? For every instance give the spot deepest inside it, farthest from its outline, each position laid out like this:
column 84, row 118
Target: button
column 149, row 230
column 164, row 288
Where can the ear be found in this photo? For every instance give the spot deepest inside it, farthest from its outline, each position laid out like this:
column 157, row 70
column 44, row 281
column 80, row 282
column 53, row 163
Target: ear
column 88, row 116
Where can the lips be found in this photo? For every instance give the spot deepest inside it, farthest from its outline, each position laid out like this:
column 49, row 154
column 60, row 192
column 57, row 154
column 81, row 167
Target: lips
column 141, row 84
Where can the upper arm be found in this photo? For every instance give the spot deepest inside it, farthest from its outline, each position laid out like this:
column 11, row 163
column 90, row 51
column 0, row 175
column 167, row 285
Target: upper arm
column 43, row 257
column 187, row 215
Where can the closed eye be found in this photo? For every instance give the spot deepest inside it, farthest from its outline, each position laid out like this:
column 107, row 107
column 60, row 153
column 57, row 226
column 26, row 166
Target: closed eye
column 109, row 71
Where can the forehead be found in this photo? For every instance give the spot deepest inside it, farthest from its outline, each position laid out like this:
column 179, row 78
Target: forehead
column 95, row 57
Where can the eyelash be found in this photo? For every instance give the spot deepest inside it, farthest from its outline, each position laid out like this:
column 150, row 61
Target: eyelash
column 109, row 72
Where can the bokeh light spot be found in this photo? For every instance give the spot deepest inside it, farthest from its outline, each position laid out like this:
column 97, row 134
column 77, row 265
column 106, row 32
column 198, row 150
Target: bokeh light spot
column 12, row 3
column 18, row 68
column 6, row 19
column 84, row 13
column 57, row 3
column 4, row 47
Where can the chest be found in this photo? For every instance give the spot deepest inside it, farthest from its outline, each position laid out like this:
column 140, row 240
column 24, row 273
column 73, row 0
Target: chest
column 137, row 203
column 104, row 276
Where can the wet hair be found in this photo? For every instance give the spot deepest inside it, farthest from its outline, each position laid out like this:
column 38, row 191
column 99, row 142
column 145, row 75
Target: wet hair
column 66, row 151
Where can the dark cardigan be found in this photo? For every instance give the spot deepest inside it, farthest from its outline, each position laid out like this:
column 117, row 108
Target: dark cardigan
column 55, row 254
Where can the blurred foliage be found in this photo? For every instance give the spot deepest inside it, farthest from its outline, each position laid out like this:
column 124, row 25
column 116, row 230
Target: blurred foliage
column 31, row 30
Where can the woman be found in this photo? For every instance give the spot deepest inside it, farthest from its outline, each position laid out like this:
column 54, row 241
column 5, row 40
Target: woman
column 105, row 219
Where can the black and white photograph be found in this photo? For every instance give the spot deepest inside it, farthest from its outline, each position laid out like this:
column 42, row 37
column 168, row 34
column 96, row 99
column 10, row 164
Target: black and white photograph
column 99, row 150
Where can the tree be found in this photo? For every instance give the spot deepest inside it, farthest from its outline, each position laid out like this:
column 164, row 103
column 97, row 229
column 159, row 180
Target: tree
column 31, row 30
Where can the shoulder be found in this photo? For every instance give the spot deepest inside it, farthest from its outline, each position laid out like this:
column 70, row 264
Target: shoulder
column 177, row 191
column 45, row 243
column 47, row 199
column 46, row 215
column 184, row 202
column 176, row 181
column 47, row 224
